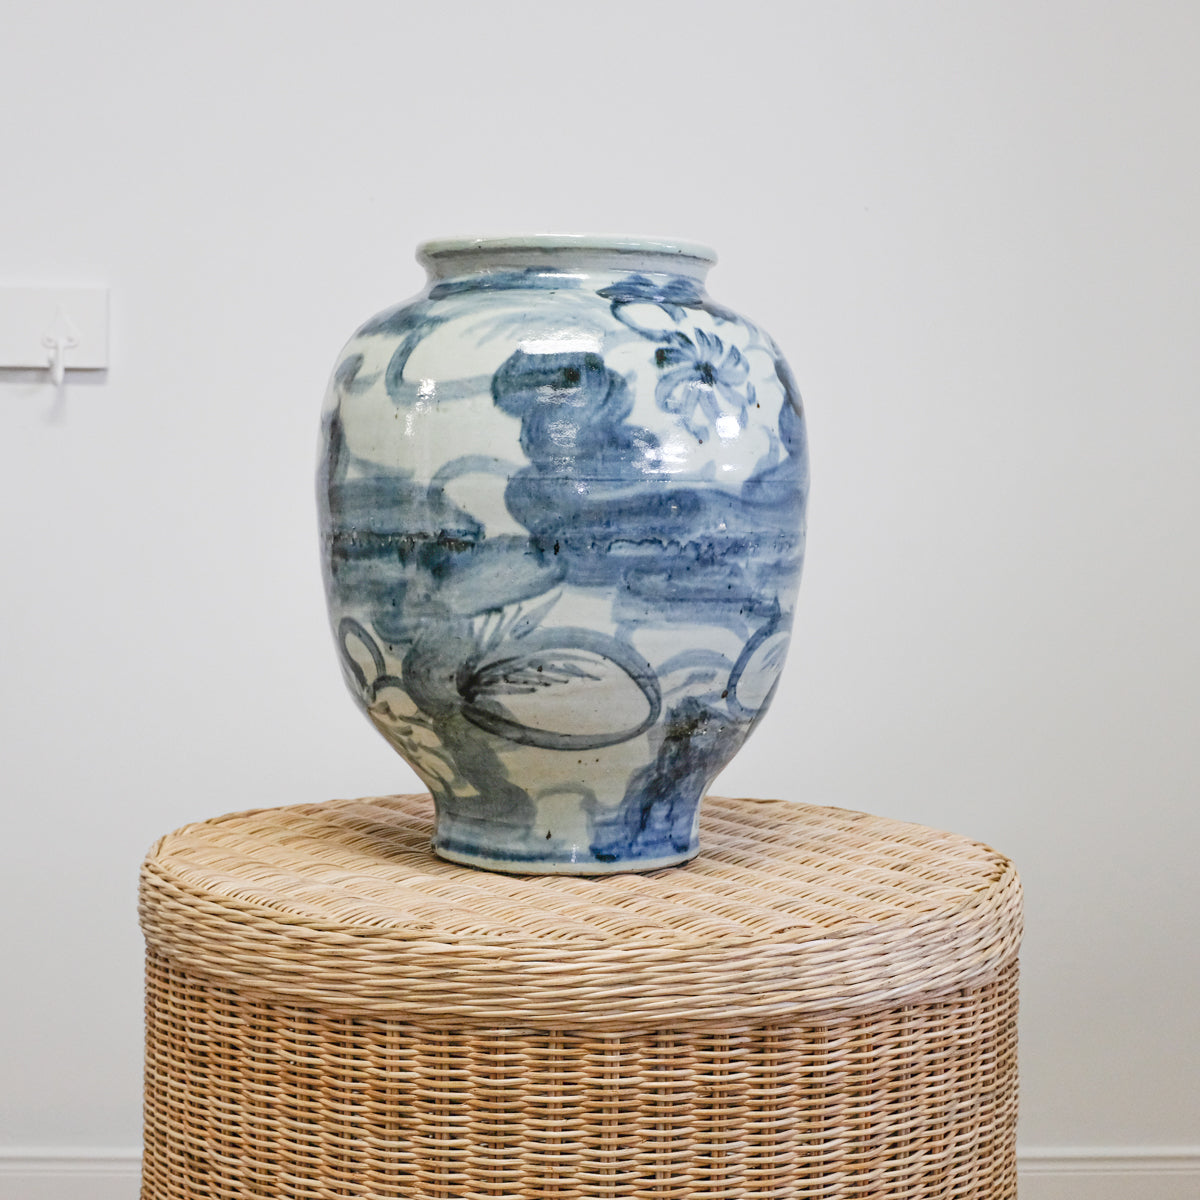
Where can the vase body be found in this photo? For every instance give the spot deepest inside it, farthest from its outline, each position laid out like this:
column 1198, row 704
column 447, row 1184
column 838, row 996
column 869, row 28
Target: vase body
column 562, row 499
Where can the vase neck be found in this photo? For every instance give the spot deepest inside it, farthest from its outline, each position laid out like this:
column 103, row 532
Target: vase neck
column 454, row 257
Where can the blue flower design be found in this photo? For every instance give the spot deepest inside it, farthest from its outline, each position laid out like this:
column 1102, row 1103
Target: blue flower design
column 705, row 383
column 673, row 294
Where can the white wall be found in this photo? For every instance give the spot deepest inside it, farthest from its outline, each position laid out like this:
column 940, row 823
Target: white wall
column 974, row 230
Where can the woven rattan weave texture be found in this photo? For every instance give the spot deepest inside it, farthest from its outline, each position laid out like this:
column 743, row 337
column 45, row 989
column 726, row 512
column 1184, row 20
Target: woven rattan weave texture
column 823, row 1004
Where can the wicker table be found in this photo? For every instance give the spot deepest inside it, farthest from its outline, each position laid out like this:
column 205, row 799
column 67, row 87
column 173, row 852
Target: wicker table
column 823, row 1004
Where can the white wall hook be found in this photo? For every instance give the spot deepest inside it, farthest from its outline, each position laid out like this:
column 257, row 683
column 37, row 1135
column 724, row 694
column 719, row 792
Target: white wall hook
column 55, row 329
column 58, row 346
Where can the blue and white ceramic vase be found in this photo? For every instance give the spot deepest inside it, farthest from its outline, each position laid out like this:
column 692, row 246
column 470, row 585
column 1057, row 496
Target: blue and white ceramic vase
column 562, row 503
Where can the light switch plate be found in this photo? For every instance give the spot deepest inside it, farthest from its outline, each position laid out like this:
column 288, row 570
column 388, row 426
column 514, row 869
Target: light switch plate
column 33, row 317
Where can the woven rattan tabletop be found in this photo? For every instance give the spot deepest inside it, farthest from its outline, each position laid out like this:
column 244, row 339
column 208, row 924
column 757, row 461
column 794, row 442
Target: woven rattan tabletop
column 789, row 908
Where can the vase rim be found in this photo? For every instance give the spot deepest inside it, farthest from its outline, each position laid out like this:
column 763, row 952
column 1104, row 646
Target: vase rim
column 437, row 253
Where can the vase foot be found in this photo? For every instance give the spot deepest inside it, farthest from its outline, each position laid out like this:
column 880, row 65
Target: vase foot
column 585, row 864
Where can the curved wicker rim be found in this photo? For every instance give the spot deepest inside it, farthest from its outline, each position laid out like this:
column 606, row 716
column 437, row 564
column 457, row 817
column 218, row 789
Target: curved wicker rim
column 342, row 905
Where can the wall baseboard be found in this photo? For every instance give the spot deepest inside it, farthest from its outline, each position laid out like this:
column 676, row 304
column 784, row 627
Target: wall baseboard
column 1091, row 1173
column 1109, row 1173
column 69, row 1174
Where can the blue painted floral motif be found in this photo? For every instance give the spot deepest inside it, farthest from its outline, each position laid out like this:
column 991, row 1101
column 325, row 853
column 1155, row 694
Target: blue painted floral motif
column 703, row 378
column 547, row 602
column 673, row 293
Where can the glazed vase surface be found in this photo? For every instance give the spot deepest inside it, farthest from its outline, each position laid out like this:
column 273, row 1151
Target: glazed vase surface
column 562, row 499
